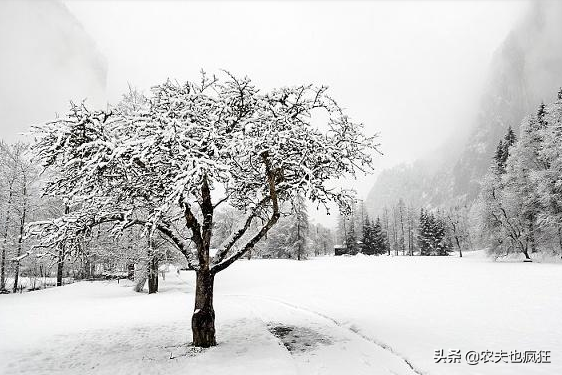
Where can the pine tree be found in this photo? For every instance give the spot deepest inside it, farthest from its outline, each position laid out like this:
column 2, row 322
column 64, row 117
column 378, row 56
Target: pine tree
column 549, row 180
column 499, row 157
column 442, row 243
column 541, row 112
column 432, row 235
column 424, row 233
column 401, row 209
column 380, row 242
column 351, row 240
column 368, row 246
column 510, row 139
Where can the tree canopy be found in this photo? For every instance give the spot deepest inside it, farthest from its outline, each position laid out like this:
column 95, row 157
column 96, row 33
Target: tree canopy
column 154, row 160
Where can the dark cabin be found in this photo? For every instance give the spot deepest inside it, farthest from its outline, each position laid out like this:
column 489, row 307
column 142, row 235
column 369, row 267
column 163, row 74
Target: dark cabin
column 340, row 250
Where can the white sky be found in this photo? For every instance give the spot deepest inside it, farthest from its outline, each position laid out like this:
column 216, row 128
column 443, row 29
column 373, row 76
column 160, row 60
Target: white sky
column 412, row 71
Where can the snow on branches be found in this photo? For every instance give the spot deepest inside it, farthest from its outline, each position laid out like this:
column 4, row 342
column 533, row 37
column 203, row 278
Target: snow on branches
column 155, row 160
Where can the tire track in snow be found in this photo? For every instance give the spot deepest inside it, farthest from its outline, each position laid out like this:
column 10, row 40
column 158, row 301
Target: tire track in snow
column 353, row 330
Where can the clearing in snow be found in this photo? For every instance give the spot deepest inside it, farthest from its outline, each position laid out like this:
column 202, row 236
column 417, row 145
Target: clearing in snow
column 353, row 315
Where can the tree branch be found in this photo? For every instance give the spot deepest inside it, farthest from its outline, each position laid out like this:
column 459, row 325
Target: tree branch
column 271, row 179
column 219, row 257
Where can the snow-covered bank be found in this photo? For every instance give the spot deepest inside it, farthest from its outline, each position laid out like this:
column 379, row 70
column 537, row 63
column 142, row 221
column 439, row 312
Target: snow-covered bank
column 358, row 315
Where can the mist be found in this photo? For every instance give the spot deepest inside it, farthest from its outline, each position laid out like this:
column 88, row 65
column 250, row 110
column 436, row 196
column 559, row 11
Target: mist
column 412, row 72
column 47, row 59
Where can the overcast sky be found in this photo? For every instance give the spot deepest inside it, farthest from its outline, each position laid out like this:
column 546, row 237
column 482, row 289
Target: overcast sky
column 412, row 71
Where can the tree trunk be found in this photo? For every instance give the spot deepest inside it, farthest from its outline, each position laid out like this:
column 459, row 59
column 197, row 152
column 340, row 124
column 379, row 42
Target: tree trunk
column 3, row 269
column 16, row 277
column 299, row 249
column 87, row 269
column 459, row 246
column 525, row 251
column 532, row 236
column 60, row 263
column 139, row 283
column 5, row 242
column 60, row 267
column 203, row 320
column 131, row 271
column 20, row 239
column 153, row 275
column 560, row 239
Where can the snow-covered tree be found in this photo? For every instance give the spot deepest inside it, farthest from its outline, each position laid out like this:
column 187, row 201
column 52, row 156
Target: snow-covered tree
column 321, row 239
column 351, row 240
column 457, row 226
column 167, row 163
column 431, row 234
column 549, row 178
column 290, row 238
column 520, row 184
column 300, row 227
column 368, row 238
column 502, row 220
column 386, row 228
column 374, row 239
column 20, row 177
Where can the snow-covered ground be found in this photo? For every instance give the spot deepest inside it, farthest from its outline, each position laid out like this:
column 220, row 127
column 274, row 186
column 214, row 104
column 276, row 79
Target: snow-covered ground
column 26, row 283
column 349, row 315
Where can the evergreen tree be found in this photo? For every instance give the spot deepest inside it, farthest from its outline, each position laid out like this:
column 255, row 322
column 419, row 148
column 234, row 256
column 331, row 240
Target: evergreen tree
column 549, row 179
column 510, row 138
column 380, row 242
column 499, row 157
column 541, row 112
column 351, row 240
column 442, row 243
column 502, row 150
column 368, row 246
column 424, row 233
column 432, row 235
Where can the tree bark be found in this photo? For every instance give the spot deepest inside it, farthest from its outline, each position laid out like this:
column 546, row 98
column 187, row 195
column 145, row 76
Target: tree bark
column 525, row 251
column 560, row 239
column 131, row 271
column 60, row 263
column 20, row 239
column 203, row 320
column 459, row 246
column 3, row 269
column 60, row 267
column 17, row 270
column 532, row 236
column 153, row 275
column 139, row 283
column 5, row 241
column 299, row 250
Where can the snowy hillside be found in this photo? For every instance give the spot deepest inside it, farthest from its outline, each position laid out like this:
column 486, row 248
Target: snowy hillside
column 525, row 70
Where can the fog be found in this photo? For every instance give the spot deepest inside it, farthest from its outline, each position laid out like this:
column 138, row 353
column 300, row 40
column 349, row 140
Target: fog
column 412, row 71
column 46, row 60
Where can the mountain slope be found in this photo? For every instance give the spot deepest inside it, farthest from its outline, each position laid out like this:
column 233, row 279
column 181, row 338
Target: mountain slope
column 526, row 69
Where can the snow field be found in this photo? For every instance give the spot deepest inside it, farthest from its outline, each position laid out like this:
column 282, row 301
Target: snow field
column 353, row 315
